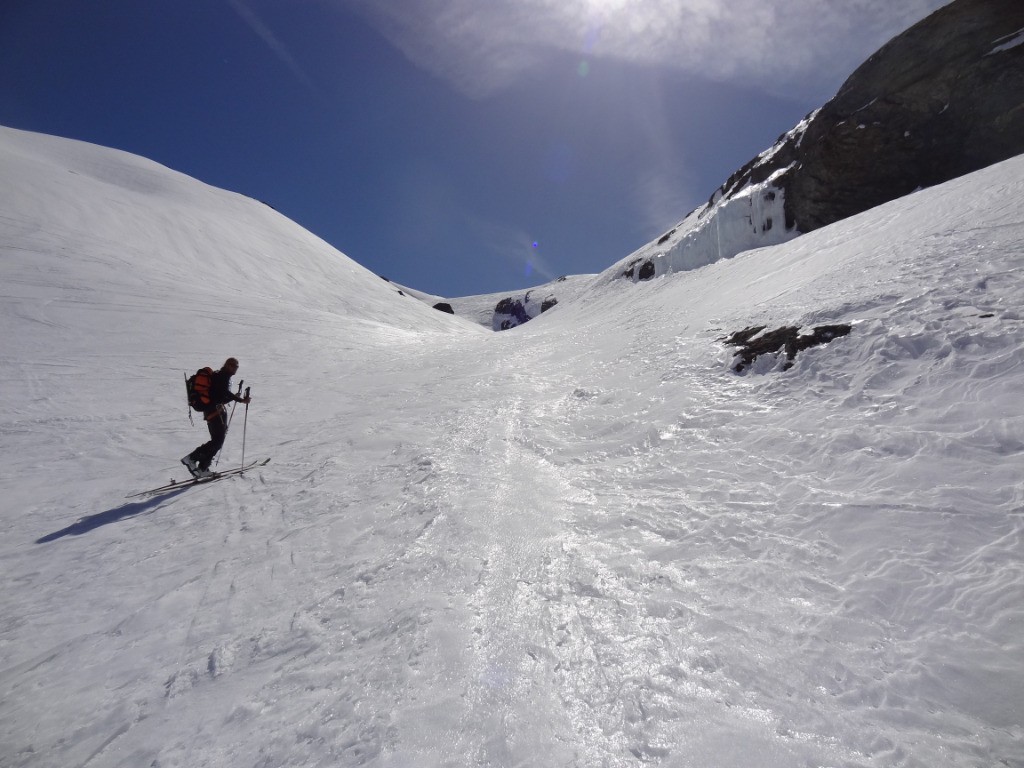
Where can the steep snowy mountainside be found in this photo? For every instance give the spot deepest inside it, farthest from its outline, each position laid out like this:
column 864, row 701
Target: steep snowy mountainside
column 734, row 220
column 861, row 269
column 937, row 101
column 196, row 239
column 105, row 233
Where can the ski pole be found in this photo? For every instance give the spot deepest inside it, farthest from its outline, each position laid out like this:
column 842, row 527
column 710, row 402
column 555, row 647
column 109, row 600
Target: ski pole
column 245, row 424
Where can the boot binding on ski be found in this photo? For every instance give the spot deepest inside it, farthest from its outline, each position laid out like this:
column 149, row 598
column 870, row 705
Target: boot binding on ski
column 192, row 466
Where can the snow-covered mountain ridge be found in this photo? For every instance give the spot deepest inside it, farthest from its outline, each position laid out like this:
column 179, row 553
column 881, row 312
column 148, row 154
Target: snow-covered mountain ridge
column 583, row 543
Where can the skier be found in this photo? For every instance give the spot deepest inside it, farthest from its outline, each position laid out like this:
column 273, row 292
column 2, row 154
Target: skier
column 198, row 462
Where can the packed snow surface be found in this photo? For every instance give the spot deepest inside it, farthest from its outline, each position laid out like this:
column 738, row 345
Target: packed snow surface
column 582, row 542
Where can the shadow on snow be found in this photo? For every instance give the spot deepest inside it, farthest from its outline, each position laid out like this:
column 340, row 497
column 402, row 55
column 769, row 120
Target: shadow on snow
column 92, row 522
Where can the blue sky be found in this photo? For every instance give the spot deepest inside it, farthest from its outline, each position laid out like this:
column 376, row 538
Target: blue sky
column 455, row 146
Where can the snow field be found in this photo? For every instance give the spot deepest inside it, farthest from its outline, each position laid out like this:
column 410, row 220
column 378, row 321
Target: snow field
column 582, row 542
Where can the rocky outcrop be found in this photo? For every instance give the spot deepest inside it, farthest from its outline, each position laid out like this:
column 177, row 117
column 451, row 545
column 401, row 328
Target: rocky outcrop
column 516, row 310
column 756, row 341
column 941, row 100
column 641, row 269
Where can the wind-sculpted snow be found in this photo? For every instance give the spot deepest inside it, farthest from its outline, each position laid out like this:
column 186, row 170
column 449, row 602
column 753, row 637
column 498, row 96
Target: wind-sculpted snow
column 752, row 217
column 583, row 542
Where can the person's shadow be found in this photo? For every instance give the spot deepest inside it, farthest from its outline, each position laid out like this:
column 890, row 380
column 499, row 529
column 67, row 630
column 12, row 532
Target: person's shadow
column 92, row 522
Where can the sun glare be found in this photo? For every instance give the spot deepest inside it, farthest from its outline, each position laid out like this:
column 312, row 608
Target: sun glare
column 606, row 6
column 602, row 22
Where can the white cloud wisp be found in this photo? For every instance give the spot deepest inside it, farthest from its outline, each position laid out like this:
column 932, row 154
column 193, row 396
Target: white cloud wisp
column 481, row 47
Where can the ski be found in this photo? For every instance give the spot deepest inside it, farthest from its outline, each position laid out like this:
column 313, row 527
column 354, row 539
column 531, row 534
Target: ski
column 176, row 485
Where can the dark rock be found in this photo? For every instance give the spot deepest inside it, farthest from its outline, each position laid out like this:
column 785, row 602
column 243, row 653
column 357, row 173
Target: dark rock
column 509, row 313
column 642, row 268
column 508, row 306
column 754, row 342
column 443, row 306
column 512, row 311
column 935, row 103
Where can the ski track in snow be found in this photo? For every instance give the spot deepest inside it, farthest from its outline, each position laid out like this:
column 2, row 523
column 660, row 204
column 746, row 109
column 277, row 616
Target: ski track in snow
column 584, row 542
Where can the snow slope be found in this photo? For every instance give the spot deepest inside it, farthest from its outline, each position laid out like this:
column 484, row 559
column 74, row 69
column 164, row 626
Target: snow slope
column 581, row 542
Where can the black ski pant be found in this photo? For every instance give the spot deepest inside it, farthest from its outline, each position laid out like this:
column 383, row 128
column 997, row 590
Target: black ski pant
column 218, row 425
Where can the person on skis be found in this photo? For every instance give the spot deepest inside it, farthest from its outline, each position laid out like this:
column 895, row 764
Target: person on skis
column 216, row 416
